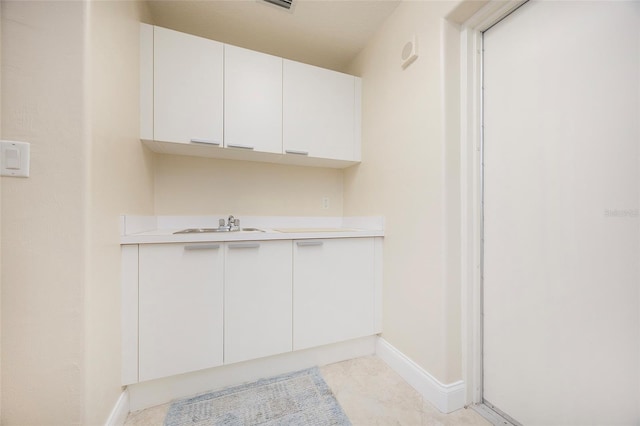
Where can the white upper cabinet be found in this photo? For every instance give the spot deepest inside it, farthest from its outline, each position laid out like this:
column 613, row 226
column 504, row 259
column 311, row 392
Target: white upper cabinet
column 253, row 100
column 188, row 88
column 203, row 98
column 319, row 118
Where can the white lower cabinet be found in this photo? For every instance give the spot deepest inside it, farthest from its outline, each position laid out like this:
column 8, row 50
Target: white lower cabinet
column 202, row 305
column 333, row 290
column 180, row 308
column 257, row 299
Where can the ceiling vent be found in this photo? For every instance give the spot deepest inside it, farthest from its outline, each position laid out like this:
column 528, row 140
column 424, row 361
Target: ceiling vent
column 282, row 3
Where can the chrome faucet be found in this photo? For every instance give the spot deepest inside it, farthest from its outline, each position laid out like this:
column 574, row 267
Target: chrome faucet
column 232, row 224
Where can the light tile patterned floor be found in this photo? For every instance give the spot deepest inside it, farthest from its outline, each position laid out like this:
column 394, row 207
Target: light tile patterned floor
column 370, row 394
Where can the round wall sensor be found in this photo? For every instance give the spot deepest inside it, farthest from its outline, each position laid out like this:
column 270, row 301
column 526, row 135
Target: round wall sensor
column 409, row 52
column 406, row 51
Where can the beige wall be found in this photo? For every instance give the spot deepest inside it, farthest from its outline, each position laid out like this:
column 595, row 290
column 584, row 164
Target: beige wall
column 200, row 186
column 44, row 225
column 121, row 181
column 409, row 174
column 70, row 88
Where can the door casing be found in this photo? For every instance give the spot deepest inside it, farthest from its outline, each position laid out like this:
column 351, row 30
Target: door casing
column 471, row 187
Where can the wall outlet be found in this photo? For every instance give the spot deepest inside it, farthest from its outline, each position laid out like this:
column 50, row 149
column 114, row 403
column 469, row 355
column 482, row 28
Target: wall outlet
column 325, row 203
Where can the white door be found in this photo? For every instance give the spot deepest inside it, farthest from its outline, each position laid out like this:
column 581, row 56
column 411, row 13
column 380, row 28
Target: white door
column 252, row 100
column 257, row 299
column 561, row 225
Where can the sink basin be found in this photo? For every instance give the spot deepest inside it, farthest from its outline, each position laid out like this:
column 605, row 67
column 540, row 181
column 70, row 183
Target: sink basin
column 205, row 230
column 199, row 230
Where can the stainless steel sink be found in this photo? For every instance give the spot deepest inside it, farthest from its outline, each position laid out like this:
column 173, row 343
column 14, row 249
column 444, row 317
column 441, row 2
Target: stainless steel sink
column 205, row 230
column 199, row 230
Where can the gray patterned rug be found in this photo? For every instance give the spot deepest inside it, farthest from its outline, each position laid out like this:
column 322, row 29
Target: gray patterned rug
column 300, row 398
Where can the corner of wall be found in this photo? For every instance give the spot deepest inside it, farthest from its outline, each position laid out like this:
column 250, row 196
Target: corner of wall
column 409, row 165
column 121, row 180
column 445, row 397
column 144, row 12
column 0, row 218
column 450, row 47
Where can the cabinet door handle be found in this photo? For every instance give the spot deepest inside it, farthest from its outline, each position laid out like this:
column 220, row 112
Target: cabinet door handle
column 235, row 145
column 309, row 243
column 293, row 151
column 202, row 247
column 205, row 141
column 244, row 245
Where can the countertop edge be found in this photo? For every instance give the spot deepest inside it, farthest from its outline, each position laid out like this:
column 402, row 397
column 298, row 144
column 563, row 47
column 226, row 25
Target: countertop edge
column 167, row 238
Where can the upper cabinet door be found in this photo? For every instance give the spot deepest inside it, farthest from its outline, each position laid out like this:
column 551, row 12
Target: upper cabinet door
column 188, row 88
column 319, row 117
column 253, row 100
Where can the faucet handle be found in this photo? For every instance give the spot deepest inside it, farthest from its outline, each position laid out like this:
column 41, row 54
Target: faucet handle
column 221, row 222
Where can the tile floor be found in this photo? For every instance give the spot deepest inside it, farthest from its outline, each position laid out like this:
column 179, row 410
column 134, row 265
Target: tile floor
column 369, row 392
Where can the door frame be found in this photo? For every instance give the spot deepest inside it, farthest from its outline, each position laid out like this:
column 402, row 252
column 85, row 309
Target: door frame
column 471, row 178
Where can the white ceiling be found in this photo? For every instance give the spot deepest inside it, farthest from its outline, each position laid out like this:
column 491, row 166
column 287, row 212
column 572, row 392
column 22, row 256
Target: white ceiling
column 326, row 33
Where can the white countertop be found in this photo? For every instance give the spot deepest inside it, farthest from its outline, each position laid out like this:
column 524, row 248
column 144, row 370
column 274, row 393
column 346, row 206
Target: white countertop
column 161, row 229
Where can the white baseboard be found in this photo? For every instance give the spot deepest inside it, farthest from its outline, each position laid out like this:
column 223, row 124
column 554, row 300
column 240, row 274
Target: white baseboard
column 120, row 411
column 446, row 398
column 156, row 392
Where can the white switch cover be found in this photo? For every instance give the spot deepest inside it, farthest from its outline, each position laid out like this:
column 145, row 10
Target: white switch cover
column 14, row 158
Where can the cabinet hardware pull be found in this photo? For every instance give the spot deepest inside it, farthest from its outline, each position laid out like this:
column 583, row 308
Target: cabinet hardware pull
column 202, row 247
column 244, row 245
column 205, row 141
column 293, row 151
column 234, row 145
column 309, row 243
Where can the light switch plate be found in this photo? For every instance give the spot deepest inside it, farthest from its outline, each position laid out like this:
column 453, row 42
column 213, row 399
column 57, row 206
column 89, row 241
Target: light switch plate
column 14, row 158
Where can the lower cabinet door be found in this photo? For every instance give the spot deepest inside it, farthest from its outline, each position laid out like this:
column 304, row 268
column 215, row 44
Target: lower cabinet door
column 333, row 291
column 181, row 308
column 257, row 299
